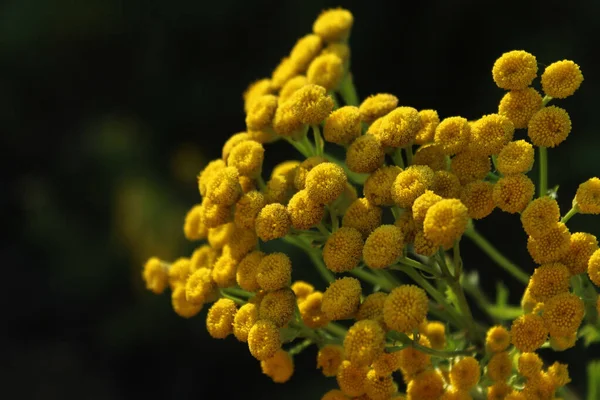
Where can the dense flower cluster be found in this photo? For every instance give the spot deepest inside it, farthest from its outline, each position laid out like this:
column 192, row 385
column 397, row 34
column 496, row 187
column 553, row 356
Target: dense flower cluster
column 425, row 178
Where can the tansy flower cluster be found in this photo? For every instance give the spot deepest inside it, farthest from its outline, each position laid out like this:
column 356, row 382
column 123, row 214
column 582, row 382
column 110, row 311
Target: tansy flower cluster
column 382, row 226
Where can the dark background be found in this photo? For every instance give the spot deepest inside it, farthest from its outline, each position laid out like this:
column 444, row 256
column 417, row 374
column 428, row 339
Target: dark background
column 108, row 110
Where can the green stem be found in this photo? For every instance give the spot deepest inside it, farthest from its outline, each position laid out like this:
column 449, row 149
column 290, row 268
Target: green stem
column 409, row 154
column 321, row 227
column 372, row 279
column 319, row 143
column 335, row 222
column 348, row 91
column 414, row 264
column 261, row 183
column 407, row 342
column 543, row 171
column 458, row 264
column 574, row 210
column 353, row 176
column 237, row 300
column 546, row 100
column 239, row 292
column 496, row 256
column 314, row 255
column 308, row 145
column 298, row 146
column 397, row 158
column 336, row 329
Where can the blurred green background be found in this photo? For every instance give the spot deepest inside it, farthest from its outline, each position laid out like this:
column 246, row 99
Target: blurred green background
column 109, row 109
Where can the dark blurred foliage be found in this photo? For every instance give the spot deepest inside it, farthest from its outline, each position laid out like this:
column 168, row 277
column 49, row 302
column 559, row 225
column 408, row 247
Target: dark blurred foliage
column 109, row 108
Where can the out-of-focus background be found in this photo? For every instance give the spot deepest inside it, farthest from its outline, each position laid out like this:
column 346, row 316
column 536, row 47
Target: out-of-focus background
column 108, row 110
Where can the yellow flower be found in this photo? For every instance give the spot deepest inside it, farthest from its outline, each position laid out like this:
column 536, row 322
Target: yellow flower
column 478, row 198
column 219, row 320
column 581, row 248
column 220, row 236
column 278, row 307
column 329, row 359
column 422, row 245
column 272, row 222
column 529, row 365
column 383, row 246
column 343, row 250
column 561, row 343
column 377, row 188
column 279, row 190
column 291, row 86
column 513, row 193
column 247, row 209
column 214, row 214
column 376, row 106
column 342, row 298
column 247, row 157
column 559, row 374
column 325, row 183
column 255, row 90
column 263, row 340
column 541, row 387
column 285, row 70
column 362, row 216
column 407, row 225
column 445, row 222
column 244, row 320
column 499, row 367
column 497, row 339
column 528, row 332
column 351, row 378
column 155, row 275
column 280, row 367
column 303, row 211
column 310, row 311
column 207, row 173
column 311, row 104
column 549, row 280
column 179, row 272
column 302, row 289
column 203, row 257
column 364, row 342
column 465, row 373
column 399, row 127
column 241, row 243
column 456, row 394
column 490, row 133
column 274, row 272
column 452, row 135
column 410, row 184
column 498, row 391
column 261, row 113
column 469, row 167
column 422, row 204
column 200, row 288
column 588, row 196
column 181, row 306
column 224, row 271
column 549, row 127
column 413, row 361
column 379, row 387
column 516, row 157
column 305, row 50
column 561, row 79
column 520, row 105
column 428, row 385
column 334, row 25
column 334, row 394
column 365, row 154
column 340, row 49
column 563, row 314
column 429, row 121
column 372, row 308
column 594, row 267
column 224, row 187
column 552, row 246
column 386, row 363
column 287, row 121
column 304, row 168
column 446, row 184
column 326, row 70
column 343, row 125
column 405, row 308
column 194, row 227
column 436, row 333
column 515, row 70
column 431, row 155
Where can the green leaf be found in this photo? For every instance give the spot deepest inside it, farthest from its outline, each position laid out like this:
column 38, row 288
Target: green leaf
column 590, row 334
column 593, row 373
column 288, row 334
column 501, row 294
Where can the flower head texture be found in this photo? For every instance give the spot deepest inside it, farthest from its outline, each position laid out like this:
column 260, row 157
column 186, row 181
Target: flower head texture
column 244, row 319
column 515, row 70
column 520, row 105
column 219, row 320
column 528, row 332
column 445, row 222
column 272, row 222
column 351, row 378
column 280, row 367
column 326, row 70
column 378, row 186
column 452, row 135
column 465, row 373
column 550, row 247
column 365, row 154
column 379, row 387
column 405, row 308
column 497, row 339
column 274, row 272
column 581, row 248
column 343, row 125
column 325, row 182
column 362, row 216
column 513, row 193
column 364, row 342
column 155, row 275
column 561, row 79
column 263, row 340
column 334, row 24
column 478, row 197
column 410, row 184
column 343, row 250
column 329, row 359
column 383, row 246
column 516, row 157
column 549, row 127
column 342, row 298
column 588, row 196
column 563, row 314
column 399, row 127
column 377, row 106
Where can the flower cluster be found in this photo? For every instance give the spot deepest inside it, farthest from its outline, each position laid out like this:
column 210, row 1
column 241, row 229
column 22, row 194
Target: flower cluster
column 394, row 320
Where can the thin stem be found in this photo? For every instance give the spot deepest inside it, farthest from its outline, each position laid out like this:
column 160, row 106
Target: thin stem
column 336, row 329
column 546, row 100
column 298, row 146
column 574, row 210
column 372, row 279
column 409, row 154
column 457, row 260
column 314, row 255
column 239, row 292
column 397, row 158
column 319, row 143
column 321, row 227
column 297, row 349
column 348, row 91
column 308, row 145
column 463, row 305
column 261, row 183
column 496, row 256
column 237, row 300
column 414, row 264
column 543, row 171
column 335, row 222
column 407, row 342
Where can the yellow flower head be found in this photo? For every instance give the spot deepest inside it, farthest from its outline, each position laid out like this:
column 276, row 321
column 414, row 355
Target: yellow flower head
column 516, row 157
column 452, row 135
column 255, row 90
column 280, row 367
column 559, row 374
column 224, row 187
column 304, row 212
column 469, row 166
column 181, row 306
column 304, row 168
column 513, row 193
column 305, row 50
column 325, row 182
column 214, row 214
column 378, row 186
column 540, row 216
column 549, row 127
column 326, row 70
column 244, row 320
column 364, row 342
column 194, row 227
column 452, row 393
column 241, row 243
column 287, row 121
column 334, row 394
column 429, row 121
column 302, row 289
column 581, row 248
column 272, row 222
column 413, row 361
column 247, row 184
column 383, row 246
column 220, row 236
column 200, row 288
column 224, row 271
column 465, row 373
column 362, row 216
column 342, row 298
column 219, row 320
column 372, row 308
column 520, row 105
column 343, row 125
column 379, row 387
column 405, row 308
column 594, row 267
column 478, row 198
column 365, row 154
column 552, row 246
column 261, row 113
column 431, row 155
column 263, row 340
column 561, row 79
column 588, row 196
column 410, row 184
column 274, row 272
column 563, row 314
column 351, row 378
column 329, row 359
column 436, row 333
column 562, row 343
column 499, row 368
column 207, row 173
column 528, row 332
column 446, row 184
column 334, row 25
column 340, row 49
column 311, row 104
column 247, row 209
column 291, row 86
column 515, row 70
column 343, row 250
column 422, row 245
column 490, row 133
column 529, row 365
column 279, row 190
column 498, row 391
column 311, row 313
column 549, row 280
column 407, row 225
column 399, row 127
column 247, row 157
column 497, row 339
column 377, row 106
column 386, row 363
column 422, row 204
column 179, row 272
column 203, row 257
column 285, row 70
column 155, row 275
column 278, row 307
column 445, row 222
column 428, row 385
